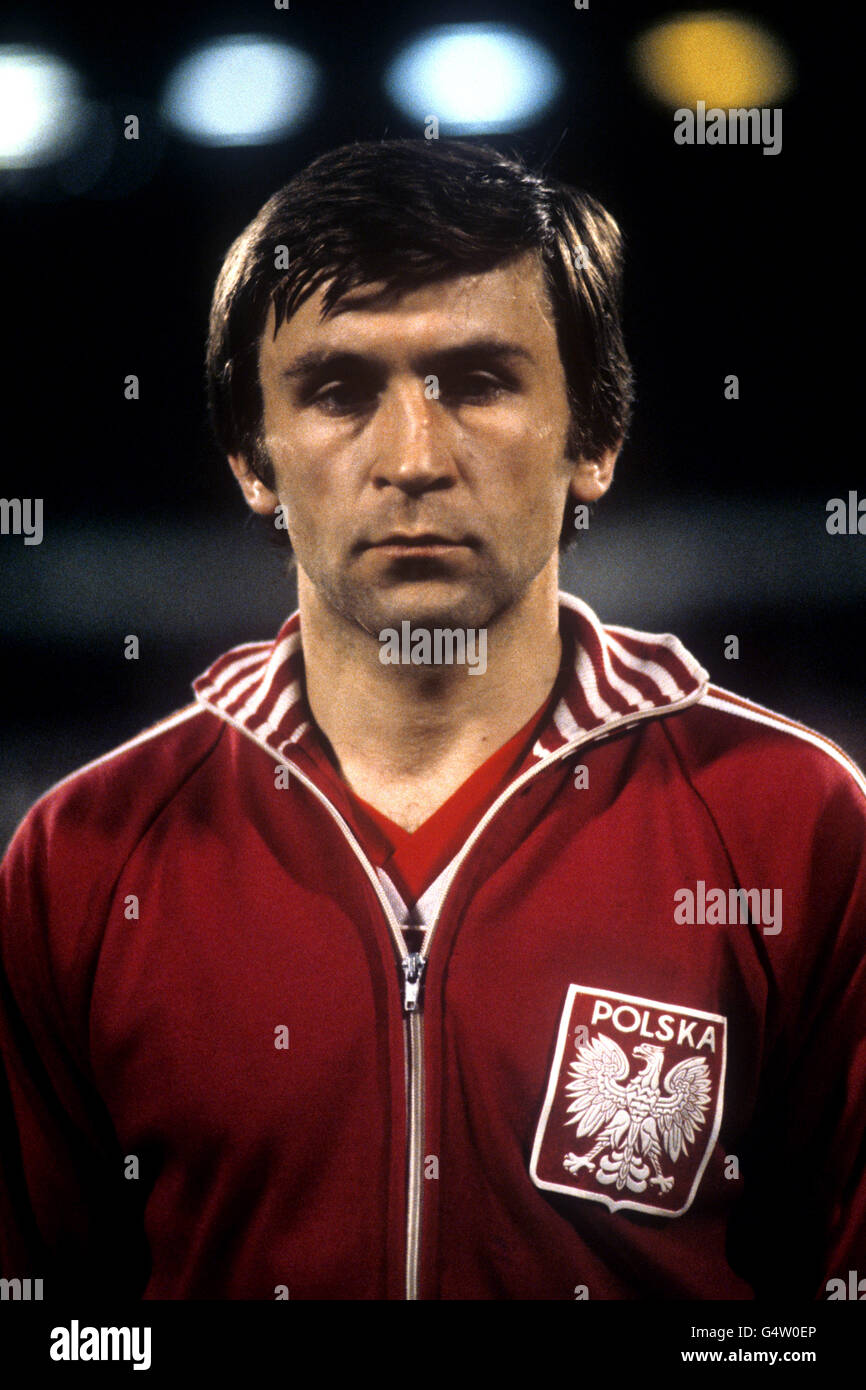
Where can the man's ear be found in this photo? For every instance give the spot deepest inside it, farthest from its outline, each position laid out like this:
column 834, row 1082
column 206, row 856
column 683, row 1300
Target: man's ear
column 592, row 477
column 261, row 498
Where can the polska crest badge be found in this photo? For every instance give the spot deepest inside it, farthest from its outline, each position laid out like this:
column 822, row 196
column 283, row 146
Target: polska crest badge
column 633, row 1104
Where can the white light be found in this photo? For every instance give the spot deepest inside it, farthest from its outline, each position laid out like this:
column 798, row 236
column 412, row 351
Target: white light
column 41, row 110
column 240, row 91
column 474, row 77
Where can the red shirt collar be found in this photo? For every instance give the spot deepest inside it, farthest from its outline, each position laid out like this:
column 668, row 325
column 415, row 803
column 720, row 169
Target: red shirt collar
column 618, row 676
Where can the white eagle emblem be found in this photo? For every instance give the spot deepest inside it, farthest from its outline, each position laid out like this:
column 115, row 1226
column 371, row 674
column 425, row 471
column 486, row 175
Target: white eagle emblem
column 635, row 1118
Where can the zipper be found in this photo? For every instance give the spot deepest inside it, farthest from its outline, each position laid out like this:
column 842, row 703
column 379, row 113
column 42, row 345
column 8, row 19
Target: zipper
column 413, row 973
column 413, row 1026
column 413, row 963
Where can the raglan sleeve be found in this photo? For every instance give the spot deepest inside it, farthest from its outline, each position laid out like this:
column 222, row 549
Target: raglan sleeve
column 804, row 1222
column 832, row 1095
column 64, row 1216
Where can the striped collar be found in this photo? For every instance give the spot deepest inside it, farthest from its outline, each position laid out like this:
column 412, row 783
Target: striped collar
column 619, row 675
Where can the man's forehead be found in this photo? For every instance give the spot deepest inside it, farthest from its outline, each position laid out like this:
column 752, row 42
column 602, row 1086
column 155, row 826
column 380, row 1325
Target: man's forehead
column 511, row 289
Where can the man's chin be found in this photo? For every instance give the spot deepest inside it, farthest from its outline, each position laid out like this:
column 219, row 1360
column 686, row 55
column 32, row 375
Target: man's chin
column 451, row 606
column 440, row 601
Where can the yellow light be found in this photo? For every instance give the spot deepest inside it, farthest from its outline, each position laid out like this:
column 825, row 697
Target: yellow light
column 721, row 58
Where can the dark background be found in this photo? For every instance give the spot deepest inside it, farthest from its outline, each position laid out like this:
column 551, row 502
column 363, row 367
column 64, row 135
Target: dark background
column 716, row 522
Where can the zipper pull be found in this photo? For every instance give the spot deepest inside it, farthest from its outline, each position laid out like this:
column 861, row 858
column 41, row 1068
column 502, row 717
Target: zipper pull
column 413, row 971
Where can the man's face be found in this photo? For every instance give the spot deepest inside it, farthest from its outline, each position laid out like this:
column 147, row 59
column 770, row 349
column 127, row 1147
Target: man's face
column 418, row 447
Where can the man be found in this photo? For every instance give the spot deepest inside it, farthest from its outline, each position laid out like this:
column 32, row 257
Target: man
column 452, row 945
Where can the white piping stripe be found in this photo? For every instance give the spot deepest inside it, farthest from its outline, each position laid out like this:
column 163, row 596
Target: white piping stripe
column 163, row 726
column 235, row 691
column 798, row 730
column 586, row 675
column 565, row 722
column 279, row 657
column 253, row 703
column 663, row 679
column 734, row 695
column 625, row 688
column 289, row 697
column 228, row 675
column 670, row 643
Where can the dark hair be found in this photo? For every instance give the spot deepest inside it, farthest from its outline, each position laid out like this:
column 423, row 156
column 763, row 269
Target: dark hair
column 406, row 212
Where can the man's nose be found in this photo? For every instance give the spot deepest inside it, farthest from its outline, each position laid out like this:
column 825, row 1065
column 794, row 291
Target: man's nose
column 414, row 440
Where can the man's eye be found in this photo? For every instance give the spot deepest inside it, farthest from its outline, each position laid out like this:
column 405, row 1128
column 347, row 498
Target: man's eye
column 471, row 386
column 342, row 398
column 353, row 397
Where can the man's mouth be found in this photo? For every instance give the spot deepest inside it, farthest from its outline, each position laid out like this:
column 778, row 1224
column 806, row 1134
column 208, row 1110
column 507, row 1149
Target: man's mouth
column 418, row 543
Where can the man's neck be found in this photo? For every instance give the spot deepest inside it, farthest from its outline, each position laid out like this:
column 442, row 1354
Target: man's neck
column 406, row 737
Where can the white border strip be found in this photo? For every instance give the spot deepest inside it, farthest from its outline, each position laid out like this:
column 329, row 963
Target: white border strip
column 761, row 715
column 170, row 723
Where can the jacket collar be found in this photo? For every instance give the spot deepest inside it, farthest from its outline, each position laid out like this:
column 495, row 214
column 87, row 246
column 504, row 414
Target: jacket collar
column 618, row 676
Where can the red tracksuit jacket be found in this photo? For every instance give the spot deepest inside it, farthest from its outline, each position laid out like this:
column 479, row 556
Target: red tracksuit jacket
column 225, row 1076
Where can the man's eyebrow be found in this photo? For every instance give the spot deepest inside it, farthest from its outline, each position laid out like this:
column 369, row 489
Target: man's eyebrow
column 493, row 349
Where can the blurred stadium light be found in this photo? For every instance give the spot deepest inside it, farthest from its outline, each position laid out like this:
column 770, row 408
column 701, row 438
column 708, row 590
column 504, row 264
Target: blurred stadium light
column 721, row 58
column 240, row 90
column 41, row 108
column 474, row 78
